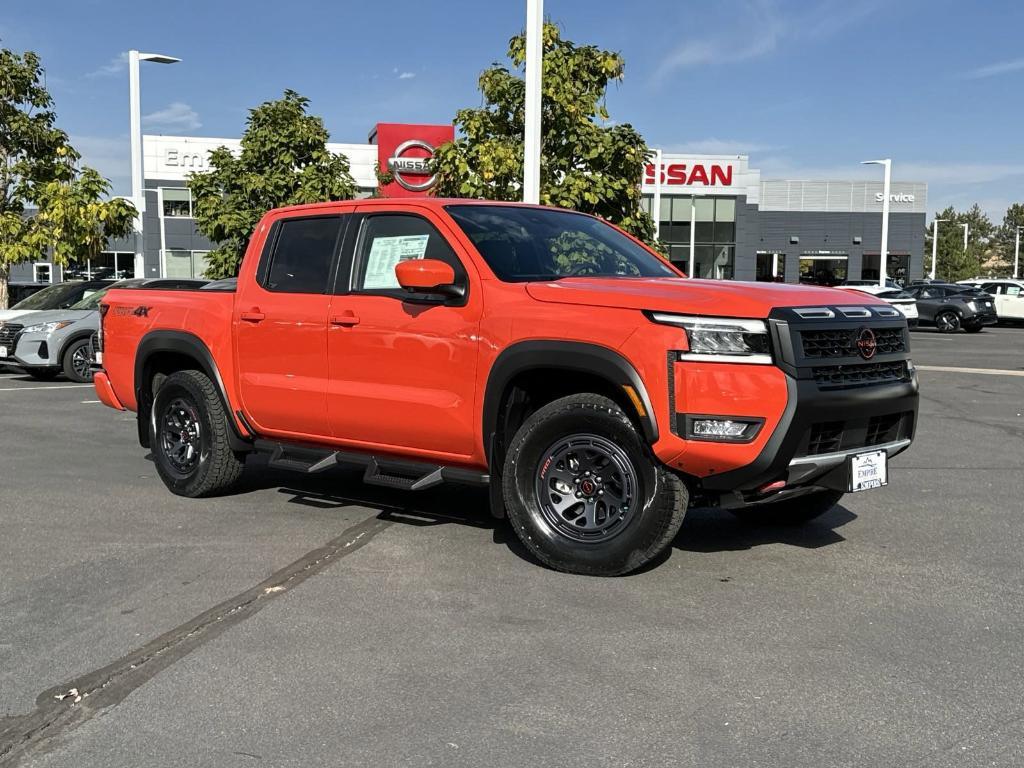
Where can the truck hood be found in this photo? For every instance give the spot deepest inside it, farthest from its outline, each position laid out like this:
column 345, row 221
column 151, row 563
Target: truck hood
column 54, row 316
column 728, row 298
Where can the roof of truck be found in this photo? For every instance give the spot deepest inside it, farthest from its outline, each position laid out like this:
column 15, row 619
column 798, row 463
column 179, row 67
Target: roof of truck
column 430, row 202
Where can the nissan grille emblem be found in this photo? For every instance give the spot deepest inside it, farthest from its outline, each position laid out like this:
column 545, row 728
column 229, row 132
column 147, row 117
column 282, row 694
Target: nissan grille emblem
column 867, row 344
column 401, row 166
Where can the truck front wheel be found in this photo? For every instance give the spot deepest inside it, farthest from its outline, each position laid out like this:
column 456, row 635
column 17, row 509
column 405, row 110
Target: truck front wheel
column 584, row 493
column 791, row 511
column 188, row 434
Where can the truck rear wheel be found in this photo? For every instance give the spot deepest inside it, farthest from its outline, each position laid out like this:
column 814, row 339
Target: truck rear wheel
column 791, row 511
column 188, row 432
column 583, row 492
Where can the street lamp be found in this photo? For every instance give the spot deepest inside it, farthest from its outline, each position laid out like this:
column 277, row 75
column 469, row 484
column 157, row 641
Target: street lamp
column 935, row 242
column 135, row 110
column 883, row 256
column 531, row 126
column 1016, row 255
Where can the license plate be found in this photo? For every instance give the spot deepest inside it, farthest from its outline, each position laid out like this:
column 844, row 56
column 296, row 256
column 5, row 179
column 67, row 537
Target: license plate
column 3, row 351
column 868, row 470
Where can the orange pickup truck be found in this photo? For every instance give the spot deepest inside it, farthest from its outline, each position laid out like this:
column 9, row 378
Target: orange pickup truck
column 545, row 353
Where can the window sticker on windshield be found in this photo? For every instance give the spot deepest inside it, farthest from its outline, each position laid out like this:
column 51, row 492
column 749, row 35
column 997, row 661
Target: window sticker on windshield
column 385, row 253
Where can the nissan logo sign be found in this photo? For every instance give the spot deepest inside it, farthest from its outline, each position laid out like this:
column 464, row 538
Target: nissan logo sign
column 401, row 166
column 867, row 344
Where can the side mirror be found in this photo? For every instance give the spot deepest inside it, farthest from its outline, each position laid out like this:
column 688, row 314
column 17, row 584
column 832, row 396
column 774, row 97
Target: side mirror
column 428, row 276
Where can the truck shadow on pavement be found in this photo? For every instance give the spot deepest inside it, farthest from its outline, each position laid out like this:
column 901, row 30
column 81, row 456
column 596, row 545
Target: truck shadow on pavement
column 704, row 530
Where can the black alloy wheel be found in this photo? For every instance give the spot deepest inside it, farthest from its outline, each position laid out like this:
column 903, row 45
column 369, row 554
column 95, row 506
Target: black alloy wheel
column 947, row 321
column 181, row 435
column 587, row 487
column 77, row 362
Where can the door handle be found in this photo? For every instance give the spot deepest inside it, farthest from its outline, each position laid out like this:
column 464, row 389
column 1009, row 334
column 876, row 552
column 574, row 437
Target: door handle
column 252, row 317
column 347, row 319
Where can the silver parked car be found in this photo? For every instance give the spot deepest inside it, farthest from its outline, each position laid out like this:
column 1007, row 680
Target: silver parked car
column 61, row 340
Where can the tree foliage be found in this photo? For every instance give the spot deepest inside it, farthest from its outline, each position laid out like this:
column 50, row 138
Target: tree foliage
column 1006, row 237
column 284, row 160
column 954, row 261
column 47, row 199
column 588, row 163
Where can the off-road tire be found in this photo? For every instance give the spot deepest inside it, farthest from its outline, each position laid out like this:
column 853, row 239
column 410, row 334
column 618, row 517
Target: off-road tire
column 217, row 467
column 68, row 361
column 791, row 511
column 644, row 532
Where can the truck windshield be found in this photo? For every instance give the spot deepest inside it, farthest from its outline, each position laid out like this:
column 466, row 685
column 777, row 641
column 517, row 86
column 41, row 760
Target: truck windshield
column 523, row 244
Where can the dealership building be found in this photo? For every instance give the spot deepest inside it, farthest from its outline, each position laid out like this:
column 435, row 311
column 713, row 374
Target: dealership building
column 717, row 217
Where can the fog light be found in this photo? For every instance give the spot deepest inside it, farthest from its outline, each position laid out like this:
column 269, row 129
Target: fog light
column 722, row 428
column 718, row 428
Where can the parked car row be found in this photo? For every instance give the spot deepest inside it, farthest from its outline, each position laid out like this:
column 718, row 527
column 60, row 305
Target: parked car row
column 950, row 307
column 53, row 331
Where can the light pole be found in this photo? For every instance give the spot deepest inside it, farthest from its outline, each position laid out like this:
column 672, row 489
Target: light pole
column 534, row 73
column 1016, row 255
column 883, row 256
column 135, row 110
column 935, row 242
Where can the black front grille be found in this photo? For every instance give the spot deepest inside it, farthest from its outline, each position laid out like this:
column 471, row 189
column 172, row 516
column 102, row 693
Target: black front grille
column 8, row 332
column 826, row 437
column 842, row 342
column 859, row 374
column 883, row 429
column 835, row 436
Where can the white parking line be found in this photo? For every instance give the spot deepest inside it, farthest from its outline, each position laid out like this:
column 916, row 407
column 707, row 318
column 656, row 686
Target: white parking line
column 953, row 369
column 59, row 386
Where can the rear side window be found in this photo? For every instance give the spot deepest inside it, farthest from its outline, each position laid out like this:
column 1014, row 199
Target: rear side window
column 303, row 254
column 390, row 238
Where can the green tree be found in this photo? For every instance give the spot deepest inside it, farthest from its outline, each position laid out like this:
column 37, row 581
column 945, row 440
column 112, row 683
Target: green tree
column 1006, row 236
column 47, row 200
column 955, row 262
column 588, row 163
column 284, row 160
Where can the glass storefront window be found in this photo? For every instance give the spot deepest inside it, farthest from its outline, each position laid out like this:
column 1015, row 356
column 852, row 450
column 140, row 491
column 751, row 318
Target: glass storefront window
column 822, row 270
column 771, row 267
column 714, row 233
column 177, row 203
column 705, row 218
column 179, row 263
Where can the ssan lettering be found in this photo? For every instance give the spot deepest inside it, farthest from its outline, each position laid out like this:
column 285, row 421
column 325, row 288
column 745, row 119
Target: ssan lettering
column 681, row 174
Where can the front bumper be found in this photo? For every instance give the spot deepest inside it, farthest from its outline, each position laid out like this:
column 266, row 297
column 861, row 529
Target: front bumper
column 34, row 350
column 821, row 403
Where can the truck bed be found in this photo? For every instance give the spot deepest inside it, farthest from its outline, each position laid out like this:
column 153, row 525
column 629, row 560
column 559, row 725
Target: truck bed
column 132, row 313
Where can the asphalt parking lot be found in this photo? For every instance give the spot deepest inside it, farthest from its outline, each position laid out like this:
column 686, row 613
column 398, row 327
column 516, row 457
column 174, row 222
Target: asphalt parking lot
column 320, row 622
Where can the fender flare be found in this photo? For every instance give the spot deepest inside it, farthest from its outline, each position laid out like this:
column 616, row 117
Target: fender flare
column 190, row 345
column 567, row 356
column 77, row 336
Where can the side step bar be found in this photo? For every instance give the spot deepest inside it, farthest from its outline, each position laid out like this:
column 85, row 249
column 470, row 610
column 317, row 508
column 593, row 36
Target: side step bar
column 391, row 473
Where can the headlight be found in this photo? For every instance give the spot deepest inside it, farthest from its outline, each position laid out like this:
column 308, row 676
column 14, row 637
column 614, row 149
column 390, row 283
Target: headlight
column 47, row 327
column 972, row 306
column 721, row 339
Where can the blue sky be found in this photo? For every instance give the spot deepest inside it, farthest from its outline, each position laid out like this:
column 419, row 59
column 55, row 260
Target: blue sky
column 807, row 89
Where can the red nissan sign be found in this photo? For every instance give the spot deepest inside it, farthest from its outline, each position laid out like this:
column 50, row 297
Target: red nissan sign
column 696, row 174
column 403, row 151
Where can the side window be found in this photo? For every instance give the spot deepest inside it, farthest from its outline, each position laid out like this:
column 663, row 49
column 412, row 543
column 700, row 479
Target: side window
column 303, row 253
column 387, row 239
column 1011, row 290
